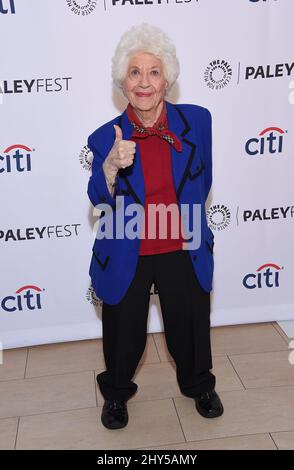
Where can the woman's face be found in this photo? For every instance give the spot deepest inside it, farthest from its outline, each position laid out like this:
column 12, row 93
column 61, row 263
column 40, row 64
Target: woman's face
column 145, row 84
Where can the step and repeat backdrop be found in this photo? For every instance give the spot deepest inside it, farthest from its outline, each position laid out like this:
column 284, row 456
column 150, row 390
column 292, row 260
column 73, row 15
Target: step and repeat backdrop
column 237, row 59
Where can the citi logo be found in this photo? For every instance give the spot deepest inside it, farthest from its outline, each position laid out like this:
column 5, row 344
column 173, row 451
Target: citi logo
column 269, row 141
column 268, row 275
column 7, row 6
column 26, row 298
column 17, row 158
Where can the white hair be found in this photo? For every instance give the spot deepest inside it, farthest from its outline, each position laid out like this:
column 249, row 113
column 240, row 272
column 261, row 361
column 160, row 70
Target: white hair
column 148, row 39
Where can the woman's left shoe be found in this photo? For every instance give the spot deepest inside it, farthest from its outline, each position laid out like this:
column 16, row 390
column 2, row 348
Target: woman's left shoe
column 114, row 414
column 208, row 404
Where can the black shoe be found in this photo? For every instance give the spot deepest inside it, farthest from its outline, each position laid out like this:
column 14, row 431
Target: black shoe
column 114, row 414
column 208, row 404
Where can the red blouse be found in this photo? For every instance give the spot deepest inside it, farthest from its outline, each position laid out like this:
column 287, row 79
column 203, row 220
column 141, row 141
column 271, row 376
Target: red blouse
column 155, row 154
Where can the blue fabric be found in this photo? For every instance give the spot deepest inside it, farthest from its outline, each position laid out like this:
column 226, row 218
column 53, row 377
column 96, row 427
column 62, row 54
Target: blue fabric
column 114, row 261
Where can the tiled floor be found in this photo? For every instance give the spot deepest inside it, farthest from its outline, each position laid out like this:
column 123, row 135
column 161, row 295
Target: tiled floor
column 49, row 397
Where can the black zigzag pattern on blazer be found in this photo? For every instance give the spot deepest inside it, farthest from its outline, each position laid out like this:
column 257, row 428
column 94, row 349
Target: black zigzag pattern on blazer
column 102, row 265
column 187, row 172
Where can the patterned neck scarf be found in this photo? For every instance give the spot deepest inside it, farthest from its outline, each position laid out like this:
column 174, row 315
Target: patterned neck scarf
column 160, row 128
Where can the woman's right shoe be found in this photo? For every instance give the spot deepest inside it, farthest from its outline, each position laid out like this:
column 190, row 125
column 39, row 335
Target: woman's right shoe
column 209, row 405
column 114, row 414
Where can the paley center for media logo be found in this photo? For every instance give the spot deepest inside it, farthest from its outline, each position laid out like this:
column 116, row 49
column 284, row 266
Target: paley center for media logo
column 7, row 6
column 269, row 141
column 16, row 158
column 92, row 297
column 86, row 7
column 27, row 297
column 82, row 7
column 219, row 72
column 86, row 158
column 218, row 217
column 266, row 276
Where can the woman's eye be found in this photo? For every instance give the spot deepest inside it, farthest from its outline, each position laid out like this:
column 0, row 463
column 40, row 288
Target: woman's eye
column 155, row 72
column 134, row 72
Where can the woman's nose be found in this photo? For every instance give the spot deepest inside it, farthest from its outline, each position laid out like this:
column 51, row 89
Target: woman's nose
column 144, row 79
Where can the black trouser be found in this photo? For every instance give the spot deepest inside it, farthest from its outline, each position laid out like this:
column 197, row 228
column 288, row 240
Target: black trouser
column 185, row 308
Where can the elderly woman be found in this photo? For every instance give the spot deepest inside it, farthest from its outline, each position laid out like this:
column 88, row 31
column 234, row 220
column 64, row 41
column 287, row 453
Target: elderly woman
column 156, row 154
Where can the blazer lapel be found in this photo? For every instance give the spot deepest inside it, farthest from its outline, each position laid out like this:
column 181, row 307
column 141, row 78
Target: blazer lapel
column 184, row 163
column 181, row 161
column 132, row 175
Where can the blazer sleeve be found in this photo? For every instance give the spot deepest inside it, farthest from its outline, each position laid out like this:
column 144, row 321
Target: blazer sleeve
column 208, row 152
column 97, row 186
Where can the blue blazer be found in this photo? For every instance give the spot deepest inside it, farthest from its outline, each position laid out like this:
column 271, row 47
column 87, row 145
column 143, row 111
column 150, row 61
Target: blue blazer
column 113, row 263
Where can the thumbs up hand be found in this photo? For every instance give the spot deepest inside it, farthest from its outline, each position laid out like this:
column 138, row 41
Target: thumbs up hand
column 118, row 133
column 122, row 153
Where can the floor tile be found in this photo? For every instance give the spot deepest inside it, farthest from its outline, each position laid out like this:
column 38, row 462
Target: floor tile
column 242, row 339
column 43, row 394
column 246, row 412
column 264, row 369
column 14, row 364
column 8, row 429
column 252, row 442
column 284, row 440
column 150, row 423
column 75, row 356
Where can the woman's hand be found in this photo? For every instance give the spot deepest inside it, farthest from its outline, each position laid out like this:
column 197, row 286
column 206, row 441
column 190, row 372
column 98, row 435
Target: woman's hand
column 120, row 156
column 122, row 153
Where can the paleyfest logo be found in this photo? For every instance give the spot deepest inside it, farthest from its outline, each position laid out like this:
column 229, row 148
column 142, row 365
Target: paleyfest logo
column 269, row 71
column 45, row 232
column 273, row 213
column 149, row 2
column 34, row 85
